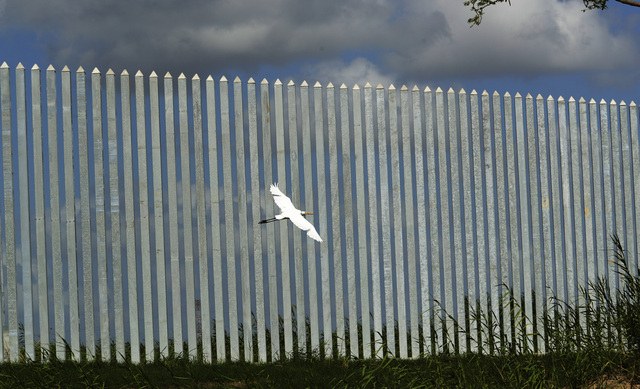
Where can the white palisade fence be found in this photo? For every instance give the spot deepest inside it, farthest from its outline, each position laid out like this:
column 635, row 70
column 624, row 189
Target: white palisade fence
column 130, row 206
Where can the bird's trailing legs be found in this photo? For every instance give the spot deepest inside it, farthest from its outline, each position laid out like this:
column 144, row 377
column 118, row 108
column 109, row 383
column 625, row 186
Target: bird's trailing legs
column 267, row 220
column 278, row 217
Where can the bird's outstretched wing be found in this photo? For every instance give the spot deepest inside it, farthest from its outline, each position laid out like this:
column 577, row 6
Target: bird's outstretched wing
column 305, row 225
column 313, row 234
column 281, row 200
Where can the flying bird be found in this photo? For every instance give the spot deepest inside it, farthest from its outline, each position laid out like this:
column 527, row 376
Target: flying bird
column 289, row 211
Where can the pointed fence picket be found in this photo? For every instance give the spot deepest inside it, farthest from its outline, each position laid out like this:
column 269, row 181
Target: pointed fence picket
column 9, row 343
column 158, row 211
column 129, row 213
column 174, row 249
column 447, row 217
column 85, row 212
column 40, row 303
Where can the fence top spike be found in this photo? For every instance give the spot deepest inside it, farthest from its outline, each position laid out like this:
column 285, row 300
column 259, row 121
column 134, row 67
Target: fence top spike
column 167, row 75
column 251, row 81
column 485, row 93
column 427, row 89
column 632, row 104
column 35, row 67
column 438, row 90
column 50, row 67
column 507, row 94
column 139, row 73
column 153, row 74
column 450, row 90
column 560, row 99
column 539, row 97
column 367, row 85
column 94, row 71
column 4, row 65
column 237, row 79
column 415, row 88
column 550, row 98
column 343, row 86
column 528, row 96
column 330, row 85
column 278, row 82
column 602, row 101
column 110, row 72
column 64, row 69
column 462, row 91
column 20, row 66
column 571, row 99
column 195, row 77
column 392, row 87
column 582, row 100
column 518, row 95
column 379, row 86
column 181, row 76
column 592, row 101
column 495, row 93
column 613, row 102
column 209, row 78
column 264, row 81
column 223, row 79
column 80, row 69
column 304, row 84
column 474, row 92
column 317, row 85
column 404, row 88
column 291, row 83
column 356, row 87
column 126, row 73
column 623, row 103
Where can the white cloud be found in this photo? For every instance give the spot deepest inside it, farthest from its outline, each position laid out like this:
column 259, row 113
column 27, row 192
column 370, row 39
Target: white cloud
column 358, row 71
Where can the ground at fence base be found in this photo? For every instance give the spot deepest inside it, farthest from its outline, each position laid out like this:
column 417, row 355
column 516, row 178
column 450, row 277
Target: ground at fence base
column 581, row 369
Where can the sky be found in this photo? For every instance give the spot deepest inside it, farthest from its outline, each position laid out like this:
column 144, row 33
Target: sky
column 549, row 47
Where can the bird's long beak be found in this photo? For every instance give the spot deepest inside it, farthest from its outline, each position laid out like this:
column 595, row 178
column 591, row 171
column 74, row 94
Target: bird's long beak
column 308, row 213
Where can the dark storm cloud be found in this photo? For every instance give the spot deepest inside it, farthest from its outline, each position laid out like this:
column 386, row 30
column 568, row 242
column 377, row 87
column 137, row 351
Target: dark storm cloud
column 213, row 35
column 386, row 39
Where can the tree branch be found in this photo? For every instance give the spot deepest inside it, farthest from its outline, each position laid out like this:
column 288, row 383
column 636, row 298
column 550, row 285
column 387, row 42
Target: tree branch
column 632, row 3
column 478, row 6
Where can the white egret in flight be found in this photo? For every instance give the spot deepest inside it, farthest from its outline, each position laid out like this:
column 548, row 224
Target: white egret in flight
column 289, row 211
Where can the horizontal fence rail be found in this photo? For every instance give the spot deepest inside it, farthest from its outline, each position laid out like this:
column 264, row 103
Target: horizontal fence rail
column 130, row 209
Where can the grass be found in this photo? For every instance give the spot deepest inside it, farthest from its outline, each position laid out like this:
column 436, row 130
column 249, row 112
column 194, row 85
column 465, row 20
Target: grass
column 578, row 369
column 593, row 344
